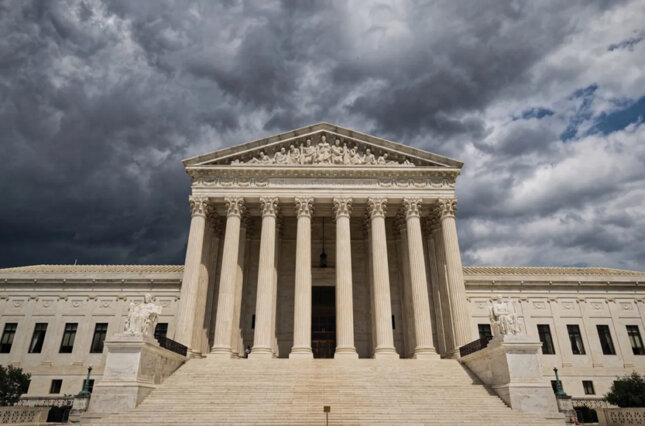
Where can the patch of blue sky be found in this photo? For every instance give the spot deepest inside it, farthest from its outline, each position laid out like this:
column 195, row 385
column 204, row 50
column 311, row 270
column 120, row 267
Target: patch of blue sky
column 606, row 123
column 538, row 113
column 582, row 114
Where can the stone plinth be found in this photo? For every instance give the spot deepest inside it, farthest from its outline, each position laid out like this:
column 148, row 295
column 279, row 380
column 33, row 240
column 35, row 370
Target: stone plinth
column 134, row 366
column 80, row 406
column 510, row 365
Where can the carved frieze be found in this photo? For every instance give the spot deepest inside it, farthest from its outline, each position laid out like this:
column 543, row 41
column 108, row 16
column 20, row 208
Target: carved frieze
column 319, row 151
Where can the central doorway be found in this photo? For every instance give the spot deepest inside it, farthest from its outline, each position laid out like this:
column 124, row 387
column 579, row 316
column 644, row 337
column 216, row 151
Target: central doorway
column 323, row 322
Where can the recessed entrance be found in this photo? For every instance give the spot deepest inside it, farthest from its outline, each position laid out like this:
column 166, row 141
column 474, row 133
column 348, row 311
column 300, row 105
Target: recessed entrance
column 323, row 322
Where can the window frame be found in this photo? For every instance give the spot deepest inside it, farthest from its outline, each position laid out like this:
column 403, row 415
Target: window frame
column 605, row 339
column 543, row 338
column 38, row 338
column 69, row 338
column 577, row 336
column 588, row 385
column 98, row 338
column 635, row 339
column 59, row 386
column 8, row 335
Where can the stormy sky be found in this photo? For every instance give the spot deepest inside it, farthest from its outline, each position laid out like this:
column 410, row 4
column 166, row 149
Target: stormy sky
column 544, row 101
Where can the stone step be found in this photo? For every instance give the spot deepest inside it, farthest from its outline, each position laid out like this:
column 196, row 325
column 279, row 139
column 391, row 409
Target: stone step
column 279, row 391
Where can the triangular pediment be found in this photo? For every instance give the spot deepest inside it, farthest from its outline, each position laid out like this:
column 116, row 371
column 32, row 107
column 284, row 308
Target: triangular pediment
column 324, row 145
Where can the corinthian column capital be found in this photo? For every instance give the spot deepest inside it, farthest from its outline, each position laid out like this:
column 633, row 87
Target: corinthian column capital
column 377, row 207
column 446, row 207
column 199, row 206
column 269, row 206
column 304, row 206
column 342, row 207
column 412, row 207
column 234, row 206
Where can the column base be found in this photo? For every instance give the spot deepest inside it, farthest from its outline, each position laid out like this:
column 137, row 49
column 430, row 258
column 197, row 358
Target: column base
column 221, row 352
column 385, row 353
column 301, row 352
column 425, row 353
column 261, row 353
column 345, row 352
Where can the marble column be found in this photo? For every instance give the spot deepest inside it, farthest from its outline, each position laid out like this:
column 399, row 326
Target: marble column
column 265, row 302
column 302, row 298
column 236, row 332
column 418, row 281
column 406, row 296
column 344, row 298
column 445, row 209
column 435, row 283
column 228, row 278
column 381, row 281
column 185, row 325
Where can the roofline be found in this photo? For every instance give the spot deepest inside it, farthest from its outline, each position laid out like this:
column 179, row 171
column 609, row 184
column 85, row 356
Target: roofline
column 302, row 131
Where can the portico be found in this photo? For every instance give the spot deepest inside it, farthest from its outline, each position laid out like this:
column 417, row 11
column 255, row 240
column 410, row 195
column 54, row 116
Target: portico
column 257, row 234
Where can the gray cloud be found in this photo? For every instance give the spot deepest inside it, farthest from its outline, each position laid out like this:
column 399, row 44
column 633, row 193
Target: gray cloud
column 99, row 102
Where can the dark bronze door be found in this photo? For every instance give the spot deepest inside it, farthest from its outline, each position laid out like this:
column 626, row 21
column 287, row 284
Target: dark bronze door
column 323, row 322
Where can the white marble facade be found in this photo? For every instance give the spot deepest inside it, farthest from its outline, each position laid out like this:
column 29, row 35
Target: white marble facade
column 253, row 262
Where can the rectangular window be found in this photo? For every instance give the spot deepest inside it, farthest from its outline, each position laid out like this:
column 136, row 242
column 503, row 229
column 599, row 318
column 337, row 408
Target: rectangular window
column 161, row 330
column 100, row 331
column 25, row 387
column 606, row 342
column 588, row 385
column 635, row 340
column 544, row 331
column 577, row 347
column 484, row 331
column 67, row 344
column 91, row 385
column 56, row 385
column 38, row 338
column 7, row 337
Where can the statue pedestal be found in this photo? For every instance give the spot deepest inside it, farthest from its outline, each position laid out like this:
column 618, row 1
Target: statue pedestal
column 510, row 365
column 134, row 366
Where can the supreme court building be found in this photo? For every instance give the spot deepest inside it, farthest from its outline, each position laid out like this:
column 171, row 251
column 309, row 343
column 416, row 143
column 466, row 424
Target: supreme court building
column 322, row 242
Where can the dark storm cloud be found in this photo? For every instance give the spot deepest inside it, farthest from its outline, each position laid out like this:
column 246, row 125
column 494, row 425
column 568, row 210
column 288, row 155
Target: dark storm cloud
column 100, row 101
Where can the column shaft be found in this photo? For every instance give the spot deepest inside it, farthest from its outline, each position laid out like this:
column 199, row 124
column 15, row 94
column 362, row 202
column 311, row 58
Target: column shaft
column 264, row 304
column 201, row 326
column 236, row 333
column 435, row 286
column 228, row 279
column 381, row 281
column 406, row 305
column 418, row 282
column 184, row 328
column 455, row 274
column 344, row 299
column 302, row 297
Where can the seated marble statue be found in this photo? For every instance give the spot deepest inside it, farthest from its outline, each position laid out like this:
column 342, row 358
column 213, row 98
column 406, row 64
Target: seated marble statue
column 503, row 318
column 142, row 318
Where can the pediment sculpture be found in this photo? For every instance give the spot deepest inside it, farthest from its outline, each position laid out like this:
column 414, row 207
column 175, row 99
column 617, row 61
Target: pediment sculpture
column 142, row 318
column 503, row 318
column 323, row 153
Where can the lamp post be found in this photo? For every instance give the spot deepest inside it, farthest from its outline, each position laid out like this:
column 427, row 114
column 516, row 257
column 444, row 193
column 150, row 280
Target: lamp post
column 559, row 392
column 86, row 386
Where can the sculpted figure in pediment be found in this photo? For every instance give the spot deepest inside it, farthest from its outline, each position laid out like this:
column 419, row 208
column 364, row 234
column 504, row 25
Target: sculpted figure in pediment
column 337, row 153
column 308, row 153
column 382, row 159
column 369, row 157
column 347, row 155
column 324, row 151
column 294, row 155
column 281, row 157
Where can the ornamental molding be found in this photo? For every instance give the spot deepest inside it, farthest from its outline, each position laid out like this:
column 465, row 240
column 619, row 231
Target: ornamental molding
column 412, row 207
column 269, row 206
column 304, row 207
column 342, row 207
column 234, row 206
column 199, row 206
column 445, row 207
column 377, row 207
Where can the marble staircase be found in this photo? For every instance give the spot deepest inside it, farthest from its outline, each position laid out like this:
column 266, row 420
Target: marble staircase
column 293, row 391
